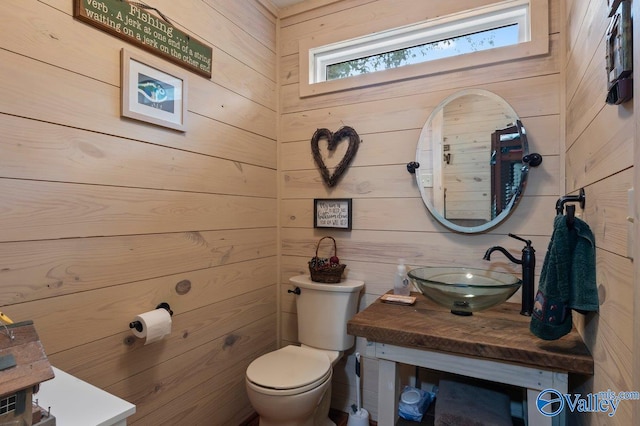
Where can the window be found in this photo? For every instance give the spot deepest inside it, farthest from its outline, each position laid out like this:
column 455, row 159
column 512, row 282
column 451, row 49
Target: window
column 430, row 46
column 459, row 45
column 8, row 404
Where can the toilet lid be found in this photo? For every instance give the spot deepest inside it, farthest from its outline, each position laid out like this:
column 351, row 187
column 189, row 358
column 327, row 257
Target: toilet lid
column 288, row 368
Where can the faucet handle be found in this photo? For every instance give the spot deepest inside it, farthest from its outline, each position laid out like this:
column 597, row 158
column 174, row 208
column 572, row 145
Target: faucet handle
column 528, row 242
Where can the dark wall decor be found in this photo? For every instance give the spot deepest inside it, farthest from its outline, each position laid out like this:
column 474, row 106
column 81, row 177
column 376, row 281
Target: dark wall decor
column 130, row 22
column 619, row 45
column 333, row 139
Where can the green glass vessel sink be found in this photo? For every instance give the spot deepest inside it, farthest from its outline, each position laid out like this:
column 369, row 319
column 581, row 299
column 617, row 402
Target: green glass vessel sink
column 464, row 290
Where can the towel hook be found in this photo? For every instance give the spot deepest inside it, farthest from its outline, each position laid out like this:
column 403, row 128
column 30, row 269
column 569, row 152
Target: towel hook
column 571, row 215
column 581, row 198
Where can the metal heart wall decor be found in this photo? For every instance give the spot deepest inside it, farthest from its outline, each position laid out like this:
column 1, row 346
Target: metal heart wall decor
column 333, row 139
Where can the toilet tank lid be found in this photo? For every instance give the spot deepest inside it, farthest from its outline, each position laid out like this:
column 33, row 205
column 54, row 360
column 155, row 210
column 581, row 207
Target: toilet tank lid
column 344, row 286
column 289, row 367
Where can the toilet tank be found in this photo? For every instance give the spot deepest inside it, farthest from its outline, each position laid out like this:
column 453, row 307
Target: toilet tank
column 323, row 312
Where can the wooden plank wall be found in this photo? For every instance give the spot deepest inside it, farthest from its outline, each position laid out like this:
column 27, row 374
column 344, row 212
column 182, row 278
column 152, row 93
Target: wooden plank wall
column 635, row 12
column 105, row 217
column 600, row 158
column 389, row 218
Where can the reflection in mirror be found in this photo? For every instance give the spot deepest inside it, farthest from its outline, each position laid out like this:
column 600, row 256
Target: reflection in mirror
column 470, row 153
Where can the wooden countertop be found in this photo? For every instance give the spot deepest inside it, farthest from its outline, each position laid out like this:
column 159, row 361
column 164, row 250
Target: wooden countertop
column 500, row 333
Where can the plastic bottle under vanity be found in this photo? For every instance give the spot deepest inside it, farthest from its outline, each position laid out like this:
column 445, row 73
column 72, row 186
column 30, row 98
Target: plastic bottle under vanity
column 400, row 280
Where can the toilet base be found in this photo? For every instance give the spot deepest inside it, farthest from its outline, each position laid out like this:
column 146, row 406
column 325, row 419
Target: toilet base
column 320, row 418
column 290, row 410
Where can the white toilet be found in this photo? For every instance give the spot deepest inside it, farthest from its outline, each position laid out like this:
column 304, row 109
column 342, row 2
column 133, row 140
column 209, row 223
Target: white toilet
column 292, row 385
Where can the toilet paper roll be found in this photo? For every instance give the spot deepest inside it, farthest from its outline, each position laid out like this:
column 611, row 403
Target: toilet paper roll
column 155, row 325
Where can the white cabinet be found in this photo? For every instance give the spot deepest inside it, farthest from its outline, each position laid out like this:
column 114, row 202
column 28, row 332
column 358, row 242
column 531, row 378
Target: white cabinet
column 74, row 402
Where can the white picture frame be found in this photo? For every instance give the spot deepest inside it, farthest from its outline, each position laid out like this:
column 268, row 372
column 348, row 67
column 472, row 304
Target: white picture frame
column 153, row 93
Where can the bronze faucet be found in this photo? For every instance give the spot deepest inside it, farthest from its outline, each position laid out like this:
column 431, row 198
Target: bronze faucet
column 528, row 262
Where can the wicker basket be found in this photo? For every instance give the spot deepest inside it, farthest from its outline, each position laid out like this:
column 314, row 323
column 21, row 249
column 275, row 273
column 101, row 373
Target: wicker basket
column 322, row 270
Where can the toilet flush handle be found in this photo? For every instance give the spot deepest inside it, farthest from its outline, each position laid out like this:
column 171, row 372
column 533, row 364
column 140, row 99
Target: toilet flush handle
column 296, row 291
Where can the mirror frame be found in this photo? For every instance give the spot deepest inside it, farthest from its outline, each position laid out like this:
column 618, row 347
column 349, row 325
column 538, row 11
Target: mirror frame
column 513, row 202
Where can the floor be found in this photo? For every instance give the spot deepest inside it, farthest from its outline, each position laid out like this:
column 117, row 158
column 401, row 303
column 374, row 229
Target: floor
column 338, row 417
column 341, row 419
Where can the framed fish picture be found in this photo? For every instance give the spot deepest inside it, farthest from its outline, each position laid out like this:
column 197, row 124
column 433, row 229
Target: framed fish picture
column 153, row 94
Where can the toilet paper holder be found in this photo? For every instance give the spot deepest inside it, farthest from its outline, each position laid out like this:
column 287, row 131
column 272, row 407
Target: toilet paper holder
column 138, row 325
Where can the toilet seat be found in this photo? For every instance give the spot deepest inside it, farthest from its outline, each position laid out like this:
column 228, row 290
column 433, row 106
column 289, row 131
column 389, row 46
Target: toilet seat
column 289, row 371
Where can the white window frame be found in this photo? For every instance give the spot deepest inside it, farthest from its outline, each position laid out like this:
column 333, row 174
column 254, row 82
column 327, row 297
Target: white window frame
column 531, row 15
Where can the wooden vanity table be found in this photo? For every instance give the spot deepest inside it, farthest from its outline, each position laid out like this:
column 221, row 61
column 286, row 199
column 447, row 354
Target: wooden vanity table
column 494, row 345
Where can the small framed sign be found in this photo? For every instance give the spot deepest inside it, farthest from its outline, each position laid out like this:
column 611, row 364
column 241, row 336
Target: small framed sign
column 152, row 94
column 332, row 213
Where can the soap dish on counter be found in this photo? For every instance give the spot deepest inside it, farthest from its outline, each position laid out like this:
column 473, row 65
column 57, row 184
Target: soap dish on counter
column 398, row 299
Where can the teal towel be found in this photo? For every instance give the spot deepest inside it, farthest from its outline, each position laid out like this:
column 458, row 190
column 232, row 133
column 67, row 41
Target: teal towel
column 567, row 280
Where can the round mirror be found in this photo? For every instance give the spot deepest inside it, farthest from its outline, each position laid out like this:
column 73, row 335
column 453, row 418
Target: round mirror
column 471, row 172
